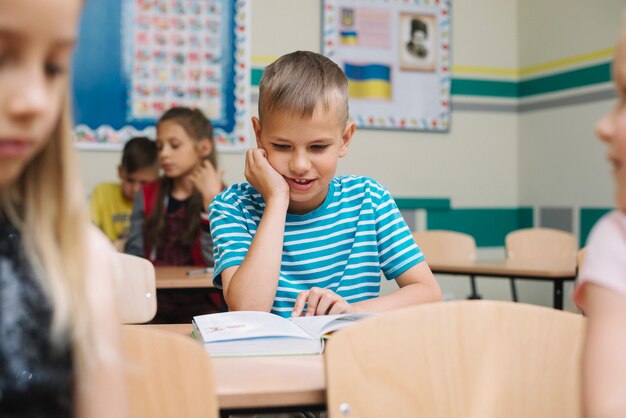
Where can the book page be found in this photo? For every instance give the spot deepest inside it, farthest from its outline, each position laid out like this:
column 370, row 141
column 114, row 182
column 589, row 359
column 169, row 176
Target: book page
column 245, row 324
column 317, row 326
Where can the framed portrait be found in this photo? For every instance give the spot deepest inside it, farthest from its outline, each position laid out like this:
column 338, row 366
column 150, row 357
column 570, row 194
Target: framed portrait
column 417, row 42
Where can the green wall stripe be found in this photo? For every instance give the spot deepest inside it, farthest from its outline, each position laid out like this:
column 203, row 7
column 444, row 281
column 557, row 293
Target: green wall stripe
column 255, row 77
column 595, row 74
column 488, row 226
column 472, row 87
column 588, row 218
column 423, row 203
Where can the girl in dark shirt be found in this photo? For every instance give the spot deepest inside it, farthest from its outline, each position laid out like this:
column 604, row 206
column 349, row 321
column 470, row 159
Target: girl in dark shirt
column 59, row 330
column 169, row 223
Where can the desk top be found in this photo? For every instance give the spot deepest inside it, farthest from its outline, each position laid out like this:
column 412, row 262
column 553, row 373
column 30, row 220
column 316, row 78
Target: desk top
column 507, row 268
column 264, row 382
column 177, row 278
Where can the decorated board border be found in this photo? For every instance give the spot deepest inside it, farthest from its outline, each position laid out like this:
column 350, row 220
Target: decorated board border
column 166, row 53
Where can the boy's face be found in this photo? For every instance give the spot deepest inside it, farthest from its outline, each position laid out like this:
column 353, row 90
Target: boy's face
column 132, row 182
column 304, row 151
column 612, row 128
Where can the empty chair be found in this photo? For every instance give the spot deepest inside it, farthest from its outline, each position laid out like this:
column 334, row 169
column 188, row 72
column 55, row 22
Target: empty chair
column 580, row 259
column 539, row 244
column 168, row 375
column 458, row 359
column 136, row 290
column 448, row 245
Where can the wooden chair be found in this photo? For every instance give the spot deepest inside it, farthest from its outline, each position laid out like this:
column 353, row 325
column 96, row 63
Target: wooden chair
column 580, row 258
column 461, row 359
column 168, row 375
column 448, row 245
column 136, row 290
column 539, row 244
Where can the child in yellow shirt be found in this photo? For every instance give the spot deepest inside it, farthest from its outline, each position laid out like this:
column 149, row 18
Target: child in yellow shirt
column 112, row 203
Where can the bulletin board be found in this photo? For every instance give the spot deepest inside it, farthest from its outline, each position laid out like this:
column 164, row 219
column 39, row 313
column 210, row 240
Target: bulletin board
column 396, row 56
column 137, row 58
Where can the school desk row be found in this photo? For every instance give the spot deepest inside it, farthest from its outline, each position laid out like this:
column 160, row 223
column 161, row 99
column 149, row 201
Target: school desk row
column 479, row 355
column 245, row 384
column 555, row 271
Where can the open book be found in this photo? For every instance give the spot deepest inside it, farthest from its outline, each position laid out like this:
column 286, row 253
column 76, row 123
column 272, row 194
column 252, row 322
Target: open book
column 251, row 333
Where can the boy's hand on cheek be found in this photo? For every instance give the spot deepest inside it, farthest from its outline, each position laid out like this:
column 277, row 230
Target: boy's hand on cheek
column 320, row 302
column 208, row 181
column 263, row 177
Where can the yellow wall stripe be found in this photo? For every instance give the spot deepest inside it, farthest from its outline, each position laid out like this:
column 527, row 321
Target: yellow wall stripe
column 534, row 69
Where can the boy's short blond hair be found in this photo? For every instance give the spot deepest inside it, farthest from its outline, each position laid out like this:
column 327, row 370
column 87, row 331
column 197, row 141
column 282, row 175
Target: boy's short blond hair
column 299, row 81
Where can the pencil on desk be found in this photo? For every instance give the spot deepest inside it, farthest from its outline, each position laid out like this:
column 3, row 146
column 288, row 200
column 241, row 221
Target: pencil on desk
column 199, row 271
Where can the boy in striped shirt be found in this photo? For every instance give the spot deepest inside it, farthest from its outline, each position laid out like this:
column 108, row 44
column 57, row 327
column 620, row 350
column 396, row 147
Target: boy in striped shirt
column 296, row 240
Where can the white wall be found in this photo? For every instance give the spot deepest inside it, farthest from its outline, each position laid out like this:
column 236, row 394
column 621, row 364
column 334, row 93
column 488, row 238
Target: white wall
column 561, row 163
column 488, row 158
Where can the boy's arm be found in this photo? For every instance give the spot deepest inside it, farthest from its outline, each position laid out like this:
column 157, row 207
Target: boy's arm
column 604, row 363
column 252, row 285
column 417, row 285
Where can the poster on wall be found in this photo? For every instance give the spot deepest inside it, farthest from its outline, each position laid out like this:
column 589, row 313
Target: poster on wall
column 396, row 56
column 159, row 54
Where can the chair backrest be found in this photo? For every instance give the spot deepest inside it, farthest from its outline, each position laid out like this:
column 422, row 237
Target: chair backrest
column 136, row 290
column 580, row 258
column 168, row 375
column 458, row 359
column 439, row 244
column 541, row 244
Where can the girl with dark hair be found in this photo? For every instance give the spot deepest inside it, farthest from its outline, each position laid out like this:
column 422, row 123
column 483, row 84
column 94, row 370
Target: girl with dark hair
column 169, row 224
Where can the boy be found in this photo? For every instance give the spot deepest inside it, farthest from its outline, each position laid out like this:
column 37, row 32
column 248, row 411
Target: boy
column 112, row 203
column 295, row 239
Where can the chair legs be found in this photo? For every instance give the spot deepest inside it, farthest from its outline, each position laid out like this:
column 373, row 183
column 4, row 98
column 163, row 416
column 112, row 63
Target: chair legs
column 513, row 290
column 474, row 294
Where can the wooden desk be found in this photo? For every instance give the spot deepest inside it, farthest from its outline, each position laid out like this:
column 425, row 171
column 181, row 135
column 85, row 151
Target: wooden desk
column 266, row 383
column 557, row 272
column 177, row 278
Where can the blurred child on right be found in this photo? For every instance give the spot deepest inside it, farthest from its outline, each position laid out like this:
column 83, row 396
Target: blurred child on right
column 112, row 203
column 169, row 221
column 601, row 288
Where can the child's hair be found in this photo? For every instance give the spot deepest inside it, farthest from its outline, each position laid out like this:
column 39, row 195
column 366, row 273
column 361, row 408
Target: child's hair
column 46, row 203
column 418, row 26
column 198, row 127
column 139, row 153
column 299, row 81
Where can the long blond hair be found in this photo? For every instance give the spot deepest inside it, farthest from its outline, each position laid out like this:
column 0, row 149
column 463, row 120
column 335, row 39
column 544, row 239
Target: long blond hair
column 47, row 205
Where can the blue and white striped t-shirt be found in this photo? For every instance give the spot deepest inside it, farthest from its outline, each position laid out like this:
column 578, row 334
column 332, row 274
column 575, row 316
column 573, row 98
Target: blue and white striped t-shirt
column 343, row 245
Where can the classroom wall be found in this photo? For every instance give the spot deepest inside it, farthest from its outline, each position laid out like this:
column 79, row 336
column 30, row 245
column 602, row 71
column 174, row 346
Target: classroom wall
column 500, row 166
column 562, row 164
column 417, row 163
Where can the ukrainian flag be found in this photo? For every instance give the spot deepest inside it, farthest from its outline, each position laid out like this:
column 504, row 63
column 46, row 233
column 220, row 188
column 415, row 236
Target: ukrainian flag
column 369, row 81
column 348, row 37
